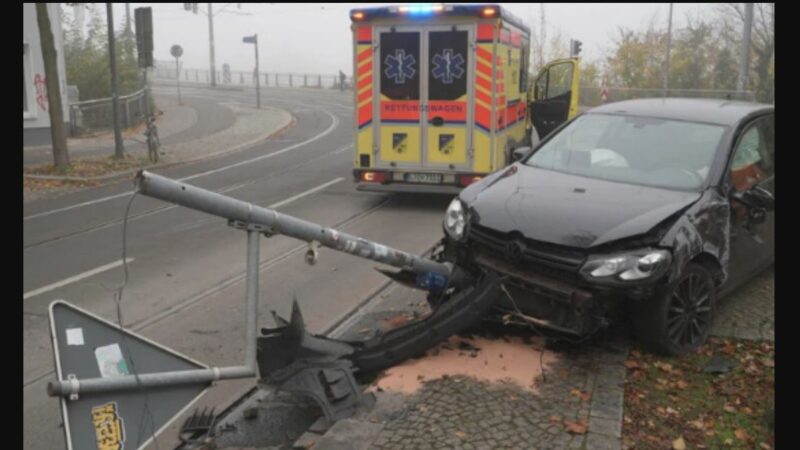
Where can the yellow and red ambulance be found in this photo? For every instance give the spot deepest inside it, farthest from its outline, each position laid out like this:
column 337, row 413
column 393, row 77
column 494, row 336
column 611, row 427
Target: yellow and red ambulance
column 442, row 95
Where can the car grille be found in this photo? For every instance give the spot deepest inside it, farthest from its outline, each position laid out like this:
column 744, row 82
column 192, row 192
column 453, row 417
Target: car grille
column 541, row 257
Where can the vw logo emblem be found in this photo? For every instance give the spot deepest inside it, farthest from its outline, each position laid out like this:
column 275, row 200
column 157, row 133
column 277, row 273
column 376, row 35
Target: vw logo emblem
column 514, row 250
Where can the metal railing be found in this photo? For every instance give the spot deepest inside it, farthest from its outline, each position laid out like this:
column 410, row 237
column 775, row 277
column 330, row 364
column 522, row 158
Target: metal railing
column 97, row 115
column 247, row 78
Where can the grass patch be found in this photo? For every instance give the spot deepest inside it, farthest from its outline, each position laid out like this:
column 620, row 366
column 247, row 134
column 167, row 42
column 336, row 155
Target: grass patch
column 672, row 399
column 80, row 168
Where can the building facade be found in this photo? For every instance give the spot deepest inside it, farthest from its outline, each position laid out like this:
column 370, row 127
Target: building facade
column 35, row 107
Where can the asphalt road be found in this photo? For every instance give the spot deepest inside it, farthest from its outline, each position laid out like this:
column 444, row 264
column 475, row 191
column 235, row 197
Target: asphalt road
column 186, row 287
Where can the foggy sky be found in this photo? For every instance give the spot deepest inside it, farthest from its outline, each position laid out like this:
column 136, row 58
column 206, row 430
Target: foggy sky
column 316, row 37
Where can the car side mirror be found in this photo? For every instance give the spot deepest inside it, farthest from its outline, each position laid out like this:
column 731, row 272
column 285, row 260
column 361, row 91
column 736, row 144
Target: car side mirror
column 758, row 201
column 519, row 153
column 756, row 197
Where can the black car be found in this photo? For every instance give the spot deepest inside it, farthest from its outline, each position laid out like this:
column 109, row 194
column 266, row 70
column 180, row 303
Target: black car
column 656, row 206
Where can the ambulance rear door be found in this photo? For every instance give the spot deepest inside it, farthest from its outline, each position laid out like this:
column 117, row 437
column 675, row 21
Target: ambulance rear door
column 422, row 113
column 448, row 116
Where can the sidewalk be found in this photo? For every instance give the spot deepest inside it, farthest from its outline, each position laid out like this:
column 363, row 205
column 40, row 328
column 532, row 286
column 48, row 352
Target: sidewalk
column 199, row 129
column 491, row 395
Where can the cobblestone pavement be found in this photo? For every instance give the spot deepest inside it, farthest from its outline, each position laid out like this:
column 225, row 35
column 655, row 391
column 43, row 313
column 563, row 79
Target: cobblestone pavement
column 749, row 313
column 584, row 387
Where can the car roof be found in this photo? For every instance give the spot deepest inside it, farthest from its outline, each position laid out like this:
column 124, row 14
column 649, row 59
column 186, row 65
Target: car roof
column 721, row 112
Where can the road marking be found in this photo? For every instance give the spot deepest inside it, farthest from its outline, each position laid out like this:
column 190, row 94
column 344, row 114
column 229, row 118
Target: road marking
column 167, row 208
column 100, row 269
column 334, row 124
column 303, row 194
column 78, row 277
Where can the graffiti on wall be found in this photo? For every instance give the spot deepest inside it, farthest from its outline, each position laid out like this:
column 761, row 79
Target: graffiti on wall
column 41, row 91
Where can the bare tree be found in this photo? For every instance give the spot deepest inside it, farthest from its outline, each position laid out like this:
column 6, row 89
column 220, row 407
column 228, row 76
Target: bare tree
column 50, row 57
column 731, row 17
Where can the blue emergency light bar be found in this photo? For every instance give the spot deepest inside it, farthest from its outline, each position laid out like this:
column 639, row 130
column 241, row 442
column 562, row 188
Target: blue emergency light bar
column 423, row 11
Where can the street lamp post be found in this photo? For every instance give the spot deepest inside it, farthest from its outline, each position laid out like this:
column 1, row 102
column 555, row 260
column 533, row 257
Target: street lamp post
column 177, row 52
column 254, row 40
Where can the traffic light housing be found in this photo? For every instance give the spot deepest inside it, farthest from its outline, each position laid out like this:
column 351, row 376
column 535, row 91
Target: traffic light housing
column 576, row 47
column 144, row 36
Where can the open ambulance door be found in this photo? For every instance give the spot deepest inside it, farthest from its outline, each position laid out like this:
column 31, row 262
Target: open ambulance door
column 555, row 96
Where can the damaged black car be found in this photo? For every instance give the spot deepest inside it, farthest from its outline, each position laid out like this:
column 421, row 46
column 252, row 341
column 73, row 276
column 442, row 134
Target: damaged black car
column 654, row 207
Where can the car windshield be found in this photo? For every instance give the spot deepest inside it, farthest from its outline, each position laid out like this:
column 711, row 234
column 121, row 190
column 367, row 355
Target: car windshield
column 637, row 150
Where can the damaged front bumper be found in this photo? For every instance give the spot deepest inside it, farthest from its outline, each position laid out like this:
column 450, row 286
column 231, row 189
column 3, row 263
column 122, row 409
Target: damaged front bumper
column 323, row 369
column 551, row 295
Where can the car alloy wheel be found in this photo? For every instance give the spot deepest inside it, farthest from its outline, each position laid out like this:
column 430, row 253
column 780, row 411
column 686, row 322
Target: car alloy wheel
column 678, row 320
column 689, row 312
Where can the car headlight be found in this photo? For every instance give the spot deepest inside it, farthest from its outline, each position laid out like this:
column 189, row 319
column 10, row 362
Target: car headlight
column 633, row 266
column 455, row 219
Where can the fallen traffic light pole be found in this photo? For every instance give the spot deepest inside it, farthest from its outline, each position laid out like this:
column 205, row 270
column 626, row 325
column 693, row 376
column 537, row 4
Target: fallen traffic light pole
column 288, row 356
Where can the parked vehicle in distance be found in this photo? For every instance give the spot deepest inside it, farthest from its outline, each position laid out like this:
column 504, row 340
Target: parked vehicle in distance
column 442, row 95
column 656, row 206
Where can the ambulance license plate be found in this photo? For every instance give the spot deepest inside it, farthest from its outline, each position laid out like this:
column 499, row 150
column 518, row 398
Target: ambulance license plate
column 430, row 178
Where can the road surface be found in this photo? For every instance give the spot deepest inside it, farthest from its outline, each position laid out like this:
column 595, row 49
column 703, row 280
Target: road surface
column 186, row 268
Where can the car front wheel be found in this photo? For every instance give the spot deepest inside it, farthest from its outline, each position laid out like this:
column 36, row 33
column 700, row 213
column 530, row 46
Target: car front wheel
column 678, row 320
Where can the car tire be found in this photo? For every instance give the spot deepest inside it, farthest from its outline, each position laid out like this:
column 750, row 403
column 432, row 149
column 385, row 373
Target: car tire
column 678, row 320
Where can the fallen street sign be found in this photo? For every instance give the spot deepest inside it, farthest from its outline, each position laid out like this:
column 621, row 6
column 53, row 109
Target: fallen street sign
column 87, row 346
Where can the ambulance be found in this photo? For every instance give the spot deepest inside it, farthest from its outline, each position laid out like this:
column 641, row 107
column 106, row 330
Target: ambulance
column 442, row 96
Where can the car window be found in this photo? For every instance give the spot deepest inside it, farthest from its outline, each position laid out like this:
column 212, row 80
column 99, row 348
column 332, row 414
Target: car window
column 754, row 154
column 638, row 150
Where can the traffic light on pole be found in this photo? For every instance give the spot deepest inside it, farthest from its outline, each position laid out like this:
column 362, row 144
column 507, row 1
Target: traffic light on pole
column 576, row 47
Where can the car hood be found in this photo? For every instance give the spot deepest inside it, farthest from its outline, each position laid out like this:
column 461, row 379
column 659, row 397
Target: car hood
column 571, row 210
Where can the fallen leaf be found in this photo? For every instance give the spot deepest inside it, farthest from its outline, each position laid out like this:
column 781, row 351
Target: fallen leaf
column 729, row 348
column 768, row 362
column 664, row 367
column 575, row 427
column 555, row 418
column 678, row 444
column 765, row 446
column 729, row 409
column 585, row 396
column 576, row 392
column 729, row 441
column 461, row 434
column 697, row 424
column 682, row 384
column 710, row 433
column 741, row 434
column 632, row 364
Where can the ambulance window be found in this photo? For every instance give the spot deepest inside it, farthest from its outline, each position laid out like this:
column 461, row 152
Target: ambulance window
column 400, row 65
column 448, row 62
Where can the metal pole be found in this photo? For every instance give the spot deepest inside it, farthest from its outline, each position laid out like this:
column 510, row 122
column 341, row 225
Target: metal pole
column 178, row 77
column 184, row 377
column 211, row 45
column 669, row 48
column 744, row 59
column 251, row 312
column 258, row 82
column 273, row 222
column 119, row 150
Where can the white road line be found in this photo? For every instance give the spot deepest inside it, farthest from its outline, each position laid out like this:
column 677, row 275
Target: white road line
column 100, row 269
column 334, row 124
column 303, row 194
column 69, row 280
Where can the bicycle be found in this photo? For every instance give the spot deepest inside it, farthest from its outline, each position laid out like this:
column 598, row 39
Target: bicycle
column 151, row 133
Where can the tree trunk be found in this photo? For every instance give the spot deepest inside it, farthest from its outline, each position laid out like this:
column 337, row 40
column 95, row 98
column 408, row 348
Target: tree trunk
column 50, row 57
